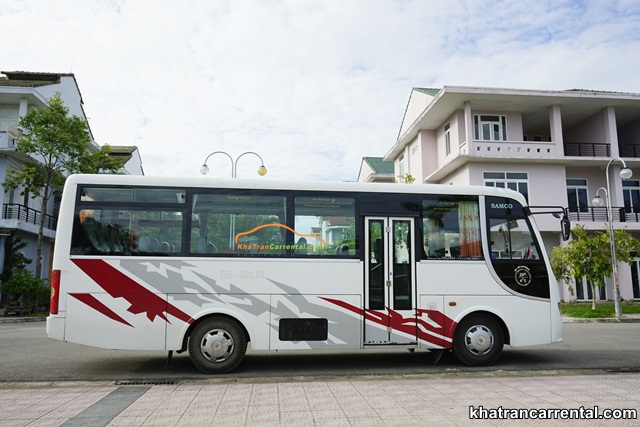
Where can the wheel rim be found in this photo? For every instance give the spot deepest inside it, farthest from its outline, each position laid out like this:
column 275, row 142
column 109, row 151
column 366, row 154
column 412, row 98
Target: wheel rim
column 217, row 345
column 479, row 340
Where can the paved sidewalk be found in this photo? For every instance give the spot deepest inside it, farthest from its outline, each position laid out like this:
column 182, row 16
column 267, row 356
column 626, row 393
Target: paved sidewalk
column 437, row 401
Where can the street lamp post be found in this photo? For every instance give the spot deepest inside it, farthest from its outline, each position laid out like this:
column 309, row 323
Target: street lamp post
column 625, row 173
column 262, row 170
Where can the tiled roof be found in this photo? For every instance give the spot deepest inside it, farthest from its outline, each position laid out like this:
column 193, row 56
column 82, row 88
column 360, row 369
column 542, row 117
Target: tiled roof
column 427, row 90
column 30, row 79
column 121, row 152
column 378, row 165
column 592, row 91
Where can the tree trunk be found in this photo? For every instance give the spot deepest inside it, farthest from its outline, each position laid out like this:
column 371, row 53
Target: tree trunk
column 43, row 217
column 593, row 296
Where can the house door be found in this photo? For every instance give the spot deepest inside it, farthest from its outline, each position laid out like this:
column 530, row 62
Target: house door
column 390, row 286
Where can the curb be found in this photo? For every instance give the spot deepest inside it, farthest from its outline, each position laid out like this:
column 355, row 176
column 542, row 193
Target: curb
column 622, row 319
column 22, row 319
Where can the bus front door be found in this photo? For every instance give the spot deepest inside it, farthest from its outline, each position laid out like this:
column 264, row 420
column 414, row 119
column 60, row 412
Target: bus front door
column 390, row 317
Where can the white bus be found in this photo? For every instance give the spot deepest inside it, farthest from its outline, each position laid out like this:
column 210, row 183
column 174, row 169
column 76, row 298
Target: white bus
column 209, row 266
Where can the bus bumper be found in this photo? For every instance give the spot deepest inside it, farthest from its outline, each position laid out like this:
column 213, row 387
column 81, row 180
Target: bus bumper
column 55, row 327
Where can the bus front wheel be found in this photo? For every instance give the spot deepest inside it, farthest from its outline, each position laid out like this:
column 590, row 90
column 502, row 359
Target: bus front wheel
column 217, row 345
column 478, row 340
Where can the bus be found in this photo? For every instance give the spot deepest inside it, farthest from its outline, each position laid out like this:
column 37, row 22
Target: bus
column 212, row 266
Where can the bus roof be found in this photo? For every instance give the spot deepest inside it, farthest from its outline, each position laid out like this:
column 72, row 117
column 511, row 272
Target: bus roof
column 268, row 184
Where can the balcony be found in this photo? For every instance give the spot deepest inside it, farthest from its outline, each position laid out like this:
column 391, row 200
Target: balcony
column 594, row 214
column 512, row 149
column 27, row 215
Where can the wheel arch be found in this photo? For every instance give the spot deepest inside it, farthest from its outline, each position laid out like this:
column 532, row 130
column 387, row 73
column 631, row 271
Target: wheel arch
column 494, row 316
column 192, row 326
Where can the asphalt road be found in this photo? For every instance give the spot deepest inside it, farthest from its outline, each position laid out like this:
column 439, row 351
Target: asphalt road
column 28, row 355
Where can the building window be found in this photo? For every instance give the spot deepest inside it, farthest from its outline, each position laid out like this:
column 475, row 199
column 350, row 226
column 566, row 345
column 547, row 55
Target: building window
column 584, row 292
column 631, row 192
column 577, row 195
column 447, row 139
column 401, row 165
column 490, row 127
column 635, row 279
column 517, row 181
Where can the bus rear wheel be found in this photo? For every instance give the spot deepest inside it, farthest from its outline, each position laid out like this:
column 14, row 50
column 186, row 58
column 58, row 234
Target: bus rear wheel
column 478, row 340
column 217, row 345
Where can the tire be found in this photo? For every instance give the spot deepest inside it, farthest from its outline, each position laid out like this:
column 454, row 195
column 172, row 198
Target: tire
column 217, row 345
column 478, row 340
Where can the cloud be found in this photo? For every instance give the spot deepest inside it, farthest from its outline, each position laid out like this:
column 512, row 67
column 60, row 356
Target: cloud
column 312, row 86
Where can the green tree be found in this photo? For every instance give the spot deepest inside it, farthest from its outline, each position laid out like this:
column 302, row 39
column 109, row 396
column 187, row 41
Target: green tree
column 406, row 178
column 26, row 288
column 560, row 266
column 55, row 144
column 17, row 281
column 589, row 256
column 14, row 257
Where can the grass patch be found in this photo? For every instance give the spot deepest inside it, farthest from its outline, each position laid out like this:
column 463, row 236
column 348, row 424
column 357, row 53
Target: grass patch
column 603, row 309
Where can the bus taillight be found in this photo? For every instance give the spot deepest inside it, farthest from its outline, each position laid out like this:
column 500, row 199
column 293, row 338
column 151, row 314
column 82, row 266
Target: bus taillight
column 55, row 291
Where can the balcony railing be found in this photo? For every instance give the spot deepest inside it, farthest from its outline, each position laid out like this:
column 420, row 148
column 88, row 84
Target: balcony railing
column 511, row 149
column 630, row 150
column 27, row 214
column 587, row 149
column 595, row 214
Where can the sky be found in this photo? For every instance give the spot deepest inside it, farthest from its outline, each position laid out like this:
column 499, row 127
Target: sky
column 311, row 86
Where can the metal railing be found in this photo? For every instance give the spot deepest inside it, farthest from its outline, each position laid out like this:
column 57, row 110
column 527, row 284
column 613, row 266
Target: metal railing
column 596, row 214
column 27, row 214
column 629, row 150
column 587, row 149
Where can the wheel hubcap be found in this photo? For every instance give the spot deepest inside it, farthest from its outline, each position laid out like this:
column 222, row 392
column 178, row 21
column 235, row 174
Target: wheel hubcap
column 217, row 345
column 479, row 340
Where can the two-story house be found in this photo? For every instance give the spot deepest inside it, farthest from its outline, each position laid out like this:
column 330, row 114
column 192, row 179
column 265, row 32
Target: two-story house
column 552, row 146
column 374, row 169
column 20, row 215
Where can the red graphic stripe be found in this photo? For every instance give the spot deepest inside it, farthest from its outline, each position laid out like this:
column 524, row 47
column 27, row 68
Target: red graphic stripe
column 92, row 302
column 408, row 325
column 118, row 285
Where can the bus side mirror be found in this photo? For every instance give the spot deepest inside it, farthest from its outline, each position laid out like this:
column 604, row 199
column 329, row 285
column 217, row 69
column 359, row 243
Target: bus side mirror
column 565, row 225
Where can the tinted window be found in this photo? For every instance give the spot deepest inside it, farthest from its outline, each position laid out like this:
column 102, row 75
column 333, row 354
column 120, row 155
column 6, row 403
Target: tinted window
column 131, row 195
column 122, row 231
column 238, row 224
column 324, row 226
column 516, row 256
column 451, row 228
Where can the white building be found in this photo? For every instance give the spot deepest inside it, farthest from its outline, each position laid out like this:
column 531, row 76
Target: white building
column 374, row 169
column 552, row 146
column 20, row 215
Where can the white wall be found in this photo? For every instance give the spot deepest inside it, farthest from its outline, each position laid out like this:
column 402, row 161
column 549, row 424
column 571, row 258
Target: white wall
column 417, row 104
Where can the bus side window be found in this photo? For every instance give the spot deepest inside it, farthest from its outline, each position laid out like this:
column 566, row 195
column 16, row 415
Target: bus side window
column 515, row 251
column 127, row 232
column 512, row 239
column 327, row 225
column 451, row 228
column 244, row 225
